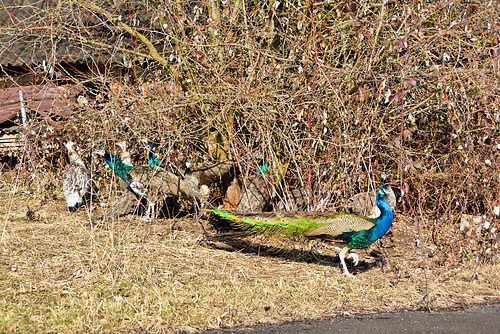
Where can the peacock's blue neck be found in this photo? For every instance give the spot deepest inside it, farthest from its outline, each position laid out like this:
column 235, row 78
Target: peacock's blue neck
column 384, row 221
column 263, row 167
column 153, row 160
column 117, row 166
column 110, row 159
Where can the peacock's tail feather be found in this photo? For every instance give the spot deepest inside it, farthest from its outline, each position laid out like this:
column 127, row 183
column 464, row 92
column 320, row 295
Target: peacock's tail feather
column 330, row 224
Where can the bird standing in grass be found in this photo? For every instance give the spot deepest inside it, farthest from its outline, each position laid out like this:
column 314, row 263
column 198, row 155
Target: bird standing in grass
column 152, row 185
column 122, row 170
column 352, row 231
column 76, row 184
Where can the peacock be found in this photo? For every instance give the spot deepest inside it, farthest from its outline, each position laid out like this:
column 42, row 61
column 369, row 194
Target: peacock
column 151, row 157
column 117, row 165
column 76, row 184
column 127, row 181
column 354, row 232
column 126, row 158
column 153, row 185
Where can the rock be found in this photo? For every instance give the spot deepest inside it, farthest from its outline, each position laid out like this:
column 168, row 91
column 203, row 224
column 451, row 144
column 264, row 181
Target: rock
column 255, row 196
column 233, row 194
column 294, row 200
column 363, row 204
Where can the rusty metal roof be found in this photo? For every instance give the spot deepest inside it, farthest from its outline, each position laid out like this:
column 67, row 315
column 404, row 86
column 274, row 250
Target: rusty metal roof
column 40, row 98
column 56, row 31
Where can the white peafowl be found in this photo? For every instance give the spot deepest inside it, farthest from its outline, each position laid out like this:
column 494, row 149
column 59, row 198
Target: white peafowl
column 76, row 184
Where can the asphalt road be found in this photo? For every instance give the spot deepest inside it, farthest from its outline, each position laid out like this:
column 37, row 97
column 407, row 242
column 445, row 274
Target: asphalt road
column 478, row 320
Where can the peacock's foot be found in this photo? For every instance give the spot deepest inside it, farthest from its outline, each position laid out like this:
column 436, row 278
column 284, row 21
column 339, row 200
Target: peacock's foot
column 96, row 223
column 354, row 257
column 348, row 275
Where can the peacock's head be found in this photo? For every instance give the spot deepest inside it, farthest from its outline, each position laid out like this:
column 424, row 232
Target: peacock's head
column 381, row 192
column 69, row 146
column 100, row 152
column 263, row 167
column 122, row 145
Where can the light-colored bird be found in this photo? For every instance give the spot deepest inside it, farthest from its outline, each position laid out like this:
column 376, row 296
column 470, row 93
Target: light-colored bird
column 76, row 184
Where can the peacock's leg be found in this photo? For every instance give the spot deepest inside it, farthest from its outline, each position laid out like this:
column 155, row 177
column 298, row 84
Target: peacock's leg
column 151, row 211
column 353, row 256
column 342, row 260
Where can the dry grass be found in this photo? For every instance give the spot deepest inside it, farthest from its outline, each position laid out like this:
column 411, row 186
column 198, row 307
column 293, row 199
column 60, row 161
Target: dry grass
column 60, row 275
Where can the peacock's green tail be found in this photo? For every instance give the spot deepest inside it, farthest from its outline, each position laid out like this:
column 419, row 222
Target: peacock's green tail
column 292, row 225
column 330, row 226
